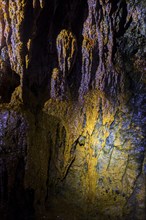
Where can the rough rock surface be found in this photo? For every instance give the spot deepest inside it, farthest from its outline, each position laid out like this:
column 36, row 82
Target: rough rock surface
column 72, row 109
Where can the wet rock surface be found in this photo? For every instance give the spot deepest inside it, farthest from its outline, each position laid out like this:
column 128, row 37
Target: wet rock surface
column 13, row 148
column 72, row 109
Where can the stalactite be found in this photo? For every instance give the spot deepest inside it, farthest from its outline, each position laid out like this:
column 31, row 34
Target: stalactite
column 72, row 109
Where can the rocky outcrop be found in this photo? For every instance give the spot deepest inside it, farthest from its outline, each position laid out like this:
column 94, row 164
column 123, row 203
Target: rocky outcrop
column 72, row 109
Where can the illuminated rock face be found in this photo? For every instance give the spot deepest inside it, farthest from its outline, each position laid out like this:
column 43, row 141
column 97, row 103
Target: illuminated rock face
column 72, row 112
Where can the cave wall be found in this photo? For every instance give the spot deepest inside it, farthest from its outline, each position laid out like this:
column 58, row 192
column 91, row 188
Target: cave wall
column 72, row 109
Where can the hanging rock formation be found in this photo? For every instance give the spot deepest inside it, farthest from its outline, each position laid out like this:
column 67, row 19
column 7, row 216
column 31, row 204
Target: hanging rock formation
column 66, row 49
column 72, row 109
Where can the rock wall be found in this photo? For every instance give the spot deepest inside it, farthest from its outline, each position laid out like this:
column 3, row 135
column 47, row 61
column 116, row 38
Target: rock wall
column 72, row 109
